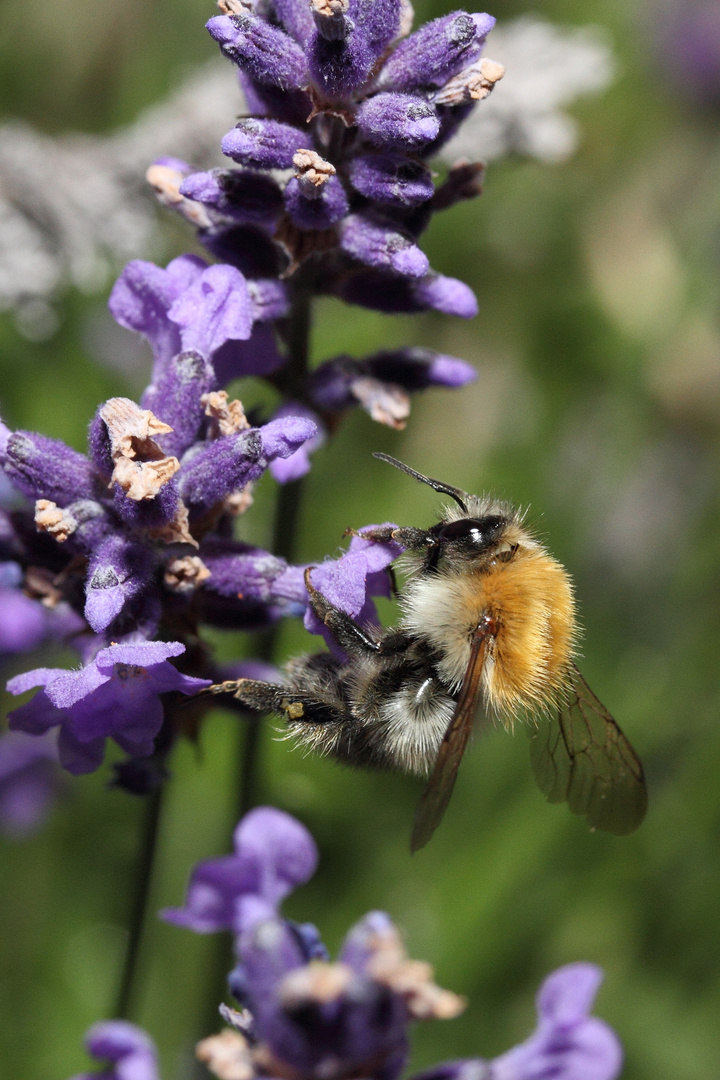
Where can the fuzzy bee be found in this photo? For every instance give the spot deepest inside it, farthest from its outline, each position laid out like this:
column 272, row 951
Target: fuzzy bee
column 487, row 627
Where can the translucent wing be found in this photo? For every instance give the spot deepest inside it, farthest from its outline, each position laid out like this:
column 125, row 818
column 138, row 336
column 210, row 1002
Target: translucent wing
column 581, row 757
column 436, row 796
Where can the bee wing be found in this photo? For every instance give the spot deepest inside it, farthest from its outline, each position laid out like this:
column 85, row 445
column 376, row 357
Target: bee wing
column 436, row 796
column 581, row 757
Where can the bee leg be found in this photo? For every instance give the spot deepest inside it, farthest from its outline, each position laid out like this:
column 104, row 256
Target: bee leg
column 411, row 538
column 348, row 635
column 292, row 705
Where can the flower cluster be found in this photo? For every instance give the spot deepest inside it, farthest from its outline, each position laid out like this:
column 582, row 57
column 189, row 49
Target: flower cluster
column 303, row 1016
column 127, row 551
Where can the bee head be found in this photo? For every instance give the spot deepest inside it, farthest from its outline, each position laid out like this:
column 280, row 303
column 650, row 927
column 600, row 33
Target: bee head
column 467, row 539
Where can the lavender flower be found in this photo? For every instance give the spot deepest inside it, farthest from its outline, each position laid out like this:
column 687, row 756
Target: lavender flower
column 274, row 854
column 312, row 1019
column 29, row 782
column 136, row 538
column 129, row 1052
column 116, row 696
column 344, row 97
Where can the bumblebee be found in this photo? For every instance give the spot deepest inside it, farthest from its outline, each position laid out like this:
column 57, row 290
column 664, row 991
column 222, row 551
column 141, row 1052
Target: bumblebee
column 487, row 629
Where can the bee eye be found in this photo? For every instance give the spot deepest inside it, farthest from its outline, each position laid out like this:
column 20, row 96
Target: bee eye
column 480, row 533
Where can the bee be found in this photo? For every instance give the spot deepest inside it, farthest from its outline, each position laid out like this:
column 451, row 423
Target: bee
column 487, row 626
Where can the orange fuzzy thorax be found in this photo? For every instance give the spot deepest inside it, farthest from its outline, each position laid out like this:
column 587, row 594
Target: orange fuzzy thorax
column 530, row 598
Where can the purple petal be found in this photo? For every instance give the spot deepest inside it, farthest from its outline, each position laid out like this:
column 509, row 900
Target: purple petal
column 265, row 52
column 126, row 1046
column 297, row 464
column 174, row 397
column 436, row 51
column 280, row 846
column 348, row 581
column 265, row 144
column 44, row 468
column 29, row 781
column 320, row 211
column 569, row 993
column 143, row 294
column 117, row 571
column 274, row 854
column 258, row 355
column 391, row 179
column 216, row 308
column 378, row 244
column 23, row 624
column 398, row 121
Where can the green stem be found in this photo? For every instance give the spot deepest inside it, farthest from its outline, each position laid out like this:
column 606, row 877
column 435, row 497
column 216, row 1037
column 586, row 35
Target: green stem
column 143, row 882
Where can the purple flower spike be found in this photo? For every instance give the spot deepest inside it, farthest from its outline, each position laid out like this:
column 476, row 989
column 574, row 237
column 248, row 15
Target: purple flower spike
column 266, row 53
column 274, row 854
column 29, row 782
column 265, row 144
column 398, row 121
column 391, row 179
column 130, row 1053
column 378, row 244
column 115, row 696
column 436, row 51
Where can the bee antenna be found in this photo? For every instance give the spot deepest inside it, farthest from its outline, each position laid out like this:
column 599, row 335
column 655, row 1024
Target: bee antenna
column 437, row 485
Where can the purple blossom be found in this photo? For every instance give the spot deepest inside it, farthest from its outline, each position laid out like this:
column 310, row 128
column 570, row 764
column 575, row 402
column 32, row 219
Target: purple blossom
column 129, row 1052
column 274, row 854
column 29, row 782
column 116, row 696
column 568, row 1043
column 285, row 469
column 349, row 582
column 227, row 464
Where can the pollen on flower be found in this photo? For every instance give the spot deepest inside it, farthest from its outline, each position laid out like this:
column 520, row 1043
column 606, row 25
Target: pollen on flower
column 141, row 467
column 228, row 417
column 165, row 182
column 227, row 1055
column 185, row 574
column 472, row 84
column 318, row 982
column 387, row 404
column 411, row 979
column 51, row 519
column 312, row 171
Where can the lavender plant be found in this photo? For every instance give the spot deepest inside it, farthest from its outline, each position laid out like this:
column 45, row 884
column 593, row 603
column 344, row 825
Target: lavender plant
column 302, row 1016
column 129, row 551
column 136, row 538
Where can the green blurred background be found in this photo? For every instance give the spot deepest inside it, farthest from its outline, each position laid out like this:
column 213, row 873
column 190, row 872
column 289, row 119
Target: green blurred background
column 598, row 404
